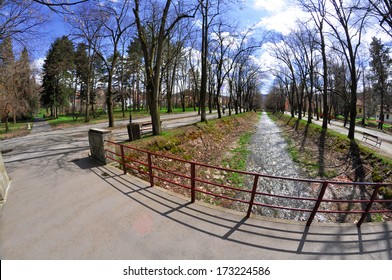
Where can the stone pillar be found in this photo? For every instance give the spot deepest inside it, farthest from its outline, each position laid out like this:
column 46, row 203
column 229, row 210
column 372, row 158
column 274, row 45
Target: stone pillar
column 96, row 139
column 4, row 180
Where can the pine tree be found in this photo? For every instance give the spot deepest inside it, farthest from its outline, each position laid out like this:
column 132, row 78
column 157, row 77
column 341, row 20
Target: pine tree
column 380, row 65
column 57, row 81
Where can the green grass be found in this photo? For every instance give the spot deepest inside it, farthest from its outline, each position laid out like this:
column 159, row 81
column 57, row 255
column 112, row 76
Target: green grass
column 69, row 120
column 177, row 110
column 17, row 129
column 238, row 158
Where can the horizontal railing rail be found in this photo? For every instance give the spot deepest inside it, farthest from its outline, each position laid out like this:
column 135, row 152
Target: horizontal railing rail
column 190, row 181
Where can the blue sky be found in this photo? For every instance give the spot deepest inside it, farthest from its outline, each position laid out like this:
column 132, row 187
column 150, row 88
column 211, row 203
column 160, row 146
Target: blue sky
column 271, row 14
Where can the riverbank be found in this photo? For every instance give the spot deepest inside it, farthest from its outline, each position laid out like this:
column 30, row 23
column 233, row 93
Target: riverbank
column 326, row 154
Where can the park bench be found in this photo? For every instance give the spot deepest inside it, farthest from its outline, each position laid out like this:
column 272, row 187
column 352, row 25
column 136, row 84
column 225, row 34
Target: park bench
column 144, row 125
column 371, row 137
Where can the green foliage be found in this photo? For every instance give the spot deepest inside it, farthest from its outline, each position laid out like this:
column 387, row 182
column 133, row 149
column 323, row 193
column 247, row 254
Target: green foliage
column 377, row 217
column 376, row 177
column 386, row 192
column 58, row 68
column 18, row 129
column 237, row 159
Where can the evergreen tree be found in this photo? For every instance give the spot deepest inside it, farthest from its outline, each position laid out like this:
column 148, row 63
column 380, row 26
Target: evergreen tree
column 57, row 80
column 26, row 85
column 82, row 74
column 380, row 65
column 134, row 69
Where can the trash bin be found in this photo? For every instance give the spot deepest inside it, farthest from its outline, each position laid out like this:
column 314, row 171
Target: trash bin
column 133, row 131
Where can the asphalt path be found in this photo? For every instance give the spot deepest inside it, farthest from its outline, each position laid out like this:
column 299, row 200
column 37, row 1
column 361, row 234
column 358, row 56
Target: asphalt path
column 386, row 145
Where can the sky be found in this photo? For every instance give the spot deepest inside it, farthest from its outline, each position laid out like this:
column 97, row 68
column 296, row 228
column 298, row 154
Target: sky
column 271, row 15
column 276, row 15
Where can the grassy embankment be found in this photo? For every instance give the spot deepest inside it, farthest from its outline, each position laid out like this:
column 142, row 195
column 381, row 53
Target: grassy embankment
column 222, row 142
column 329, row 154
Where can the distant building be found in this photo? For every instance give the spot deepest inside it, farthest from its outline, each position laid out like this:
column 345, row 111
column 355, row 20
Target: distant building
column 359, row 106
column 387, row 114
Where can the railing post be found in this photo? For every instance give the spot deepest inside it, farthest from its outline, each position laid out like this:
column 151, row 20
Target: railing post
column 193, row 182
column 318, row 202
column 123, row 159
column 369, row 206
column 252, row 197
column 150, row 169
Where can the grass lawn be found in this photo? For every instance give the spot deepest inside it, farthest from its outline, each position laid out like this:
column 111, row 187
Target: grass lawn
column 15, row 130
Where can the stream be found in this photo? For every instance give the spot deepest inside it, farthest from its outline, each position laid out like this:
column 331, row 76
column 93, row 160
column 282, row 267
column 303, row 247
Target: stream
column 269, row 156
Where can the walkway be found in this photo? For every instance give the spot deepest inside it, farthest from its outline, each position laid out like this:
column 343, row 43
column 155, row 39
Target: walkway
column 88, row 211
column 64, row 205
column 386, row 146
column 40, row 125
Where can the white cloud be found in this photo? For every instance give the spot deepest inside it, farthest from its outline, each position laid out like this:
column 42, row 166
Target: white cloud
column 38, row 63
column 37, row 66
column 283, row 21
column 271, row 6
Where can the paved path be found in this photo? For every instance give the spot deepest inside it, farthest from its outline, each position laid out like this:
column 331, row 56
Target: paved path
column 64, row 205
column 386, row 145
column 40, row 125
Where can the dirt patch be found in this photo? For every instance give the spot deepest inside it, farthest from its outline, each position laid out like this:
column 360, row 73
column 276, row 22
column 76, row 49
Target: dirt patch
column 206, row 143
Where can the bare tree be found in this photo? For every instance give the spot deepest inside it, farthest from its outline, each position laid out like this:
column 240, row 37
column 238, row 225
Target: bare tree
column 229, row 48
column 288, row 73
column 19, row 19
column 382, row 9
column 115, row 21
column 88, row 27
column 18, row 91
column 318, row 11
column 152, row 35
column 209, row 9
column 347, row 23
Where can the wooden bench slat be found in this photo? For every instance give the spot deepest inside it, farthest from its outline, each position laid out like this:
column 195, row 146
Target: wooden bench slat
column 371, row 137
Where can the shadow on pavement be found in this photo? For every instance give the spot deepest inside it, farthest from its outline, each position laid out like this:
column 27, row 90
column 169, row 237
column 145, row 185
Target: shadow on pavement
column 86, row 163
column 273, row 238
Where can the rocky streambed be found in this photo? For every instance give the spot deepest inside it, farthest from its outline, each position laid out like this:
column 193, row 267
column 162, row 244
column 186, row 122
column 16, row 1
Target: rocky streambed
column 269, row 156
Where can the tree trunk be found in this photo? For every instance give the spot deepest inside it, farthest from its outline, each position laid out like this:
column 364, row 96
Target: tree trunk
column 109, row 101
column 310, row 109
column 204, row 54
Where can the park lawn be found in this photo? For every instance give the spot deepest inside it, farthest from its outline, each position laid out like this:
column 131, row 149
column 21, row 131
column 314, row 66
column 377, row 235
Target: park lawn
column 68, row 120
column 15, row 130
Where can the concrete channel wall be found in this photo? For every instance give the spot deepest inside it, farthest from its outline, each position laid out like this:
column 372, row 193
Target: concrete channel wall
column 4, row 180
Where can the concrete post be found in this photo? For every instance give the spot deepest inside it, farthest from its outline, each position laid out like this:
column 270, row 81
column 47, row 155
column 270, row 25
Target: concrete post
column 4, row 180
column 97, row 138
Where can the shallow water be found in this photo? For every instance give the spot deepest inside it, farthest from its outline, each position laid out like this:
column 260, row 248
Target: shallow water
column 269, row 156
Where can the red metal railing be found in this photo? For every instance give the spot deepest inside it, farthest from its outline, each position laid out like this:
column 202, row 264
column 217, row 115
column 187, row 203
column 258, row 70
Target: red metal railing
column 151, row 169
